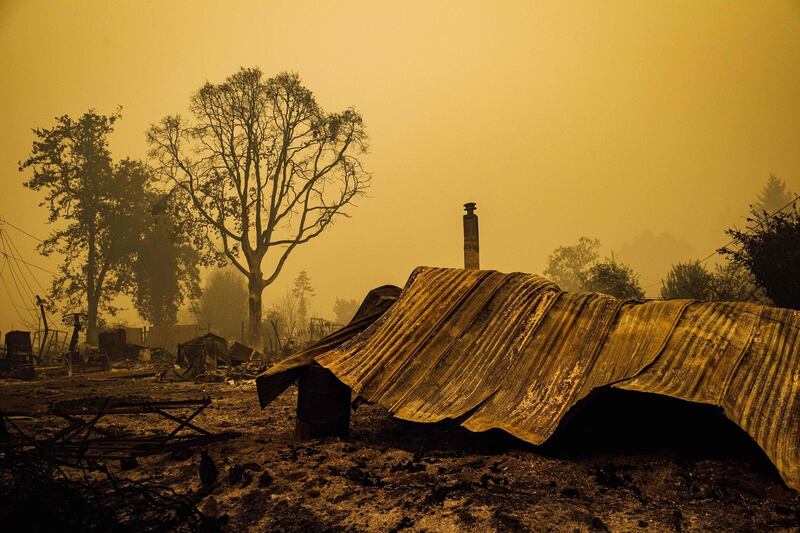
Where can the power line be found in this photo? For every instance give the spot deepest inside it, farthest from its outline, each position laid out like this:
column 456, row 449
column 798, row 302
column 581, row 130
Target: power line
column 4, row 221
column 15, row 251
column 19, row 259
column 22, row 297
column 732, row 241
column 6, row 246
column 14, row 303
column 8, row 293
column 5, row 240
column 29, row 264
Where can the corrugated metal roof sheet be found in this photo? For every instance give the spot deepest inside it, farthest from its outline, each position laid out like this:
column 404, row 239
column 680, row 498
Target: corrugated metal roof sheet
column 512, row 351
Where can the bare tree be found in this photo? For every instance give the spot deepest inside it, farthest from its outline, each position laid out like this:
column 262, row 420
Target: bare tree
column 284, row 315
column 264, row 168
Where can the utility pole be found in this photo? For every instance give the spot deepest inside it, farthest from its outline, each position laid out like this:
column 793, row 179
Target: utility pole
column 43, row 339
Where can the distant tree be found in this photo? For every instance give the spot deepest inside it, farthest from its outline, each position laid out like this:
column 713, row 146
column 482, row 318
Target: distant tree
column 284, row 318
column 264, row 168
column 734, row 283
column 166, row 269
column 688, row 280
column 302, row 290
column 770, row 250
column 345, row 310
column 610, row 277
column 568, row 265
column 774, row 195
column 95, row 204
column 650, row 254
column 222, row 303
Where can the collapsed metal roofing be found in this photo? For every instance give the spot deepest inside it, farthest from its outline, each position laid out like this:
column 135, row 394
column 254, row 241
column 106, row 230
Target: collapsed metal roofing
column 513, row 351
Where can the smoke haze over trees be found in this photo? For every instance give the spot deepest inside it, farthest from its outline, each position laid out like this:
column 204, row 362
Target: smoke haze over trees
column 580, row 157
column 284, row 319
column 344, row 310
column 688, row 280
column 651, row 254
column 773, row 196
column 302, row 291
column 577, row 268
column 264, row 168
column 166, row 268
column 769, row 248
column 728, row 282
column 567, row 266
column 99, row 201
column 222, row 303
column 614, row 278
column 735, row 283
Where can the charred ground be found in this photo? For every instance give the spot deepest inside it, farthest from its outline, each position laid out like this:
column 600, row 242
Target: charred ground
column 609, row 468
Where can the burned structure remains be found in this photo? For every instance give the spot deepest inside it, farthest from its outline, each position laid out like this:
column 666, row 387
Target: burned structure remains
column 514, row 352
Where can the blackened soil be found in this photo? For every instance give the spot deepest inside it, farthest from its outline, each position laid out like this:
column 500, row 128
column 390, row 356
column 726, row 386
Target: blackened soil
column 614, row 468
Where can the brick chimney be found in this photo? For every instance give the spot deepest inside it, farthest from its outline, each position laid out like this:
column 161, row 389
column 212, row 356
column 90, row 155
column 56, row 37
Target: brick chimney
column 471, row 252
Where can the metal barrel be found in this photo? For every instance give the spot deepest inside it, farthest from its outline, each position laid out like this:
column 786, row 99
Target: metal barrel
column 323, row 405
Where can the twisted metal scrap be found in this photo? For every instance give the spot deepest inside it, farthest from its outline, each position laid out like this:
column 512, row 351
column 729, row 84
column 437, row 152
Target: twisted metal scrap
column 513, row 351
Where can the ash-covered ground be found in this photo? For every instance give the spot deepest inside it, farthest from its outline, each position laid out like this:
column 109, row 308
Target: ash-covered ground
column 391, row 475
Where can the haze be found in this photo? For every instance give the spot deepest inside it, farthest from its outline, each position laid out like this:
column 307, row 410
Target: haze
column 605, row 119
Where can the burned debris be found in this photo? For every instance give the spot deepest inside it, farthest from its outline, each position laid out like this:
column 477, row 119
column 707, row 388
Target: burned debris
column 226, row 466
column 88, row 438
column 73, row 461
column 500, row 355
column 46, row 496
column 207, row 356
column 514, row 352
column 87, row 451
column 18, row 359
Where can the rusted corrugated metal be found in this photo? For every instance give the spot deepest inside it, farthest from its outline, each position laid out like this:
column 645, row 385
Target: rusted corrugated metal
column 512, row 351
column 279, row 377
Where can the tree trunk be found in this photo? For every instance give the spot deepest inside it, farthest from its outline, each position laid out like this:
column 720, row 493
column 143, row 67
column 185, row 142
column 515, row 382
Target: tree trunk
column 91, row 321
column 92, row 290
column 255, row 287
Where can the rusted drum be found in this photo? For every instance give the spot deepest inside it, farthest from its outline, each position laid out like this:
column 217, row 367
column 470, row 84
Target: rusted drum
column 323, row 405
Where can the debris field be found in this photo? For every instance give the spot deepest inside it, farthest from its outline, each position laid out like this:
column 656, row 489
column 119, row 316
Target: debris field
column 392, row 475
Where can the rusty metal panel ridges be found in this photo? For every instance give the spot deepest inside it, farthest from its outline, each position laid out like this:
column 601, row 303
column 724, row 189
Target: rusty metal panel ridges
column 512, row 351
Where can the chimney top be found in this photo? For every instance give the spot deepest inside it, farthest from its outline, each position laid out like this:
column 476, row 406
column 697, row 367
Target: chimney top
column 469, row 207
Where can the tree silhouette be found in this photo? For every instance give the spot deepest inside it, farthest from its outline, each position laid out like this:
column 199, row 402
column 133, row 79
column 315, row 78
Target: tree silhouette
column 612, row 278
column 770, row 249
column 773, row 196
column 734, row 283
column 166, row 266
column 688, row 280
column 344, row 310
column 264, row 168
column 101, row 204
column 568, row 265
column 301, row 290
column 284, row 318
column 222, row 303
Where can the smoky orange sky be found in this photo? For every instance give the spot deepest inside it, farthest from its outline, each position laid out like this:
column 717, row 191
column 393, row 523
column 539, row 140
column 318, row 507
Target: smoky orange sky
column 615, row 120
